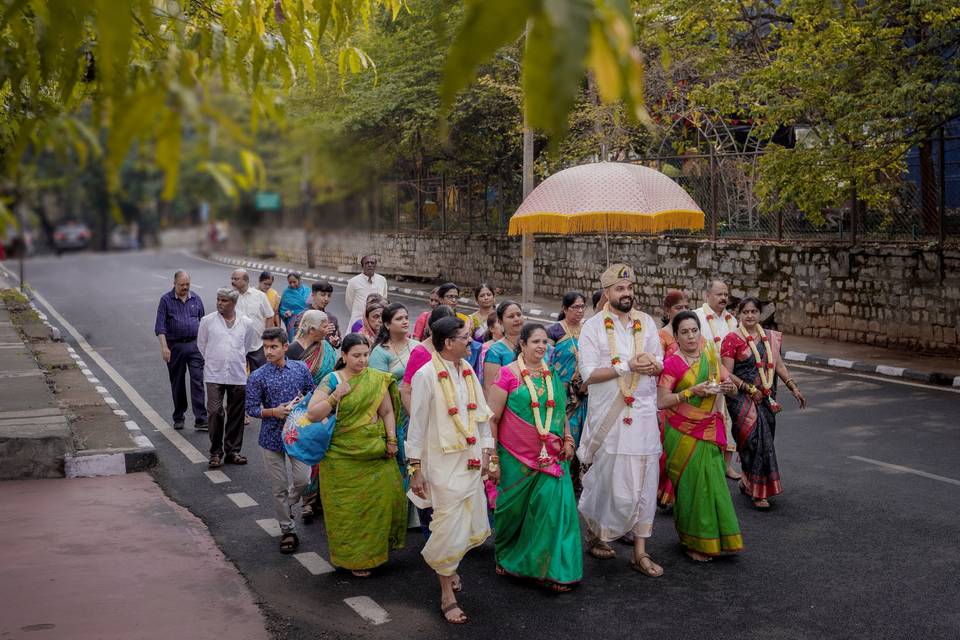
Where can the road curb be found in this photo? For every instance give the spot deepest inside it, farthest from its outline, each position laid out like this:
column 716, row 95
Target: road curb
column 927, row 377
column 889, row 371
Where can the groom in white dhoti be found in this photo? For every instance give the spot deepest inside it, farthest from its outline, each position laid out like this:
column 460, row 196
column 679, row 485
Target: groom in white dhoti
column 620, row 359
column 448, row 447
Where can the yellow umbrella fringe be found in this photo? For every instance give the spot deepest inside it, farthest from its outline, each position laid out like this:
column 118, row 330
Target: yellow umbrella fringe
column 600, row 221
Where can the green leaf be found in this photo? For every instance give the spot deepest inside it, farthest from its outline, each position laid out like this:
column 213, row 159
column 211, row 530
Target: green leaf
column 553, row 65
column 487, row 26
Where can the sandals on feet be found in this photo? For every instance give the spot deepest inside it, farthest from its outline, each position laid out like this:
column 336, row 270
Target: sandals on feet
column 651, row 569
column 363, row 573
column 289, row 542
column 761, row 505
column 445, row 609
column 602, row 551
column 556, row 587
column 306, row 513
column 236, row 458
column 215, row 462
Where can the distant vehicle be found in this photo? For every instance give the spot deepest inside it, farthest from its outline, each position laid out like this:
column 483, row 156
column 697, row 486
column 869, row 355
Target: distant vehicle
column 71, row 236
column 122, row 239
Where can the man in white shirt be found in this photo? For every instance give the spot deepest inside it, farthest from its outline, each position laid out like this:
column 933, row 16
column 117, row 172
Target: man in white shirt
column 620, row 359
column 715, row 323
column 362, row 285
column 255, row 305
column 224, row 338
column 448, row 449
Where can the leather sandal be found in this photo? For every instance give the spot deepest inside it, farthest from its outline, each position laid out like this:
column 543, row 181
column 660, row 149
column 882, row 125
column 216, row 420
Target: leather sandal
column 215, row 462
column 289, row 542
column 637, row 565
column 235, row 458
column 602, row 551
column 444, row 610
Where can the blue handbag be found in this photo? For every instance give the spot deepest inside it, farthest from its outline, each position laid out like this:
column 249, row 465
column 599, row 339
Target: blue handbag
column 304, row 440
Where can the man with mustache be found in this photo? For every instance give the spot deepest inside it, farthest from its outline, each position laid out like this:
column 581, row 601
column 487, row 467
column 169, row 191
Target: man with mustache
column 620, row 359
column 715, row 323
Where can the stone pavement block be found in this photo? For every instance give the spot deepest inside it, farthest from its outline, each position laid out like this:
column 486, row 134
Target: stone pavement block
column 32, row 450
column 53, row 355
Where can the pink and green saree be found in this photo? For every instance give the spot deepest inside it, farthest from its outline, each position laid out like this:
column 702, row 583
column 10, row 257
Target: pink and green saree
column 694, row 440
column 538, row 530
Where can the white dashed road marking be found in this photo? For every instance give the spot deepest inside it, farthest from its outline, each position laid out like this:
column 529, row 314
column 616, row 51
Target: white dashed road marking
column 367, row 609
column 314, row 563
column 902, row 469
column 271, row 526
column 242, row 500
column 216, row 476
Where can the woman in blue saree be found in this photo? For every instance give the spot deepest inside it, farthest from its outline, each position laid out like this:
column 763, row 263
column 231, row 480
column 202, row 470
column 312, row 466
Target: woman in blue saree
column 293, row 300
column 565, row 364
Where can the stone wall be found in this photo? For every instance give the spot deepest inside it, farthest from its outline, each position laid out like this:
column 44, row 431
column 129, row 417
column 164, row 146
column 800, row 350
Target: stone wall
column 903, row 296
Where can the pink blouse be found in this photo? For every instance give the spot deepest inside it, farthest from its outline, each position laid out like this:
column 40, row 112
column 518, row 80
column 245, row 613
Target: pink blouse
column 418, row 357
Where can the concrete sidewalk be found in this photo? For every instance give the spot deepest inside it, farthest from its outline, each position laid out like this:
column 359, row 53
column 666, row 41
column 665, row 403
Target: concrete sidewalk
column 801, row 349
column 113, row 558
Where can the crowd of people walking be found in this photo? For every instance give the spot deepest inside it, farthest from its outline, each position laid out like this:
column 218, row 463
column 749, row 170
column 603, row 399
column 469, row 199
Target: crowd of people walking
column 465, row 424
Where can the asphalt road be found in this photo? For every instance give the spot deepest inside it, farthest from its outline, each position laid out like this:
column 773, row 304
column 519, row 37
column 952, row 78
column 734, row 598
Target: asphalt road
column 851, row 550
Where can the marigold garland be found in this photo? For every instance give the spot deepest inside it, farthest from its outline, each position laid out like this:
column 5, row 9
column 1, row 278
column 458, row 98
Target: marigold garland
column 765, row 366
column 544, row 430
column 469, row 430
column 636, row 320
column 727, row 317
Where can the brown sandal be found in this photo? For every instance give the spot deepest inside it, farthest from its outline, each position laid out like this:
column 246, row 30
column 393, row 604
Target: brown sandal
column 444, row 610
column 602, row 551
column 289, row 542
column 637, row 565
column 761, row 505
column 215, row 462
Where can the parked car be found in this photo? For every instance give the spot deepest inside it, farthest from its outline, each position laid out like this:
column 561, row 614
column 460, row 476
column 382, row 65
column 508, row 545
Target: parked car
column 71, row 236
column 123, row 238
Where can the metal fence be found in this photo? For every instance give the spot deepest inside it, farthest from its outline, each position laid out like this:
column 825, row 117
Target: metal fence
column 723, row 184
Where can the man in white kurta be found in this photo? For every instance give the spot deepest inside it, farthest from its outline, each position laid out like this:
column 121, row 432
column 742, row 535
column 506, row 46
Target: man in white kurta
column 362, row 285
column 715, row 323
column 621, row 437
column 445, row 463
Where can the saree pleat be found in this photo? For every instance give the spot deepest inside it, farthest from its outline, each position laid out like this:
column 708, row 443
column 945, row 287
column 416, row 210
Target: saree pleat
column 320, row 359
column 537, row 526
column 693, row 440
column 363, row 501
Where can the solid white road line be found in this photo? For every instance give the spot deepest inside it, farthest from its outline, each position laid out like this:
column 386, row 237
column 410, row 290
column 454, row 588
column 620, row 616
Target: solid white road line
column 216, row 476
column 242, row 500
column 271, row 526
column 902, row 469
column 367, row 609
column 182, row 444
column 314, row 563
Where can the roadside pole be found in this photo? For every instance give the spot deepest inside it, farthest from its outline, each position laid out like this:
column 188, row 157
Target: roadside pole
column 527, row 248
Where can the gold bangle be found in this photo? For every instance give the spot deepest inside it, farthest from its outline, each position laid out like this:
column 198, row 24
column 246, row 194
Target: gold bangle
column 391, row 440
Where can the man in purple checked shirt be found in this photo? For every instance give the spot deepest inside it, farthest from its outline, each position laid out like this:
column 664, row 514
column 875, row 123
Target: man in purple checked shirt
column 178, row 319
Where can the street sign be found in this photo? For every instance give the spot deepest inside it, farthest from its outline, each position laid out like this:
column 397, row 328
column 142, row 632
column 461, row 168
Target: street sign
column 267, row 201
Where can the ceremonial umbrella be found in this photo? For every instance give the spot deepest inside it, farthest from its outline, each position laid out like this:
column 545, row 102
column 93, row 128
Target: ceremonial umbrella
column 604, row 197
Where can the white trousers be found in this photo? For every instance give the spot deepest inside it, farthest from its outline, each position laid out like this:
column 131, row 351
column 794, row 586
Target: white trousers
column 620, row 495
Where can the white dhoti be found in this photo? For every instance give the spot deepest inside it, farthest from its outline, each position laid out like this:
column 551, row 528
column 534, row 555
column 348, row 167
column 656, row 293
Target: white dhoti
column 460, row 520
column 455, row 491
column 620, row 495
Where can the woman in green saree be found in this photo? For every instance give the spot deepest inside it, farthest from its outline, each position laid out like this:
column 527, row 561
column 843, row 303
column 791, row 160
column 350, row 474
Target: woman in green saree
column 360, row 487
column 694, row 440
column 312, row 348
column 538, row 529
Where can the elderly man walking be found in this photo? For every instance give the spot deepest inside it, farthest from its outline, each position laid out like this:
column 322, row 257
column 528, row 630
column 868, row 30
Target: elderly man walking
column 362, row 285
column 224, row 338
column 255, row 305
column 178, row 320
column 715, row 323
